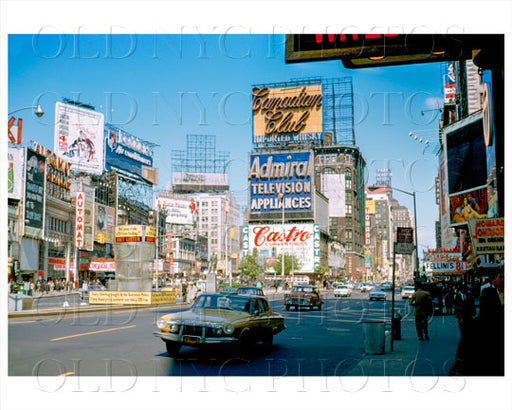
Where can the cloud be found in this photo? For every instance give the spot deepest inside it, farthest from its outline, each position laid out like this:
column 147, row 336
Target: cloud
column 434, row 102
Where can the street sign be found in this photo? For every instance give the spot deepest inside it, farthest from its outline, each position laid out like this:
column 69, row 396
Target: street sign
column 404, row 241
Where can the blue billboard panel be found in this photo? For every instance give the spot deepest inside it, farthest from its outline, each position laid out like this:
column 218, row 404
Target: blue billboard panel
column 280, row 181
column 128, row 154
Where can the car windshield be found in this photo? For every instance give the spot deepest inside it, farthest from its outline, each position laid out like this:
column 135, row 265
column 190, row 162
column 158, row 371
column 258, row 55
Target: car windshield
column 341, row 287
column 303, row 289
column 247, row 291
column 223, row 302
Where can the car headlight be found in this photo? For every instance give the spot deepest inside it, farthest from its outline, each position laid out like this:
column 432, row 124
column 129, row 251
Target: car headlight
column 172, row 326
column 161, row 323
column 228, row 328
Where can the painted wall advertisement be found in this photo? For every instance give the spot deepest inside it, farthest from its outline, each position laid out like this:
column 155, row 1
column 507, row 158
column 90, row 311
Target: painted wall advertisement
column 79, row 137
column 35, row 177
column 487, row 235
column 300, row 240
column 467, row 205
column 130, row 155
column 290, row 114
column 274, row 178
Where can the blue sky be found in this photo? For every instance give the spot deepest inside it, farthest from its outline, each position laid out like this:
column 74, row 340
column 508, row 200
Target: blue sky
column 162, row 87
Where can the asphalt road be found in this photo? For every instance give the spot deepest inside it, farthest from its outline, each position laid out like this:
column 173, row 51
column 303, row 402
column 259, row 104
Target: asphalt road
column 328, row 342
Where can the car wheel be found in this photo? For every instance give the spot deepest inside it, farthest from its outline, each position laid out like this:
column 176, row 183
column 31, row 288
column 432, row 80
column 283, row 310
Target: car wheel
column 268, row 340
column 173, row 348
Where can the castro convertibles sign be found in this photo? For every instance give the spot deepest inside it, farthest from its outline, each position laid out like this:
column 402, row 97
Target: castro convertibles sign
column 272, row 240
column 274, row 178
column 487, row 235
column 290, row 114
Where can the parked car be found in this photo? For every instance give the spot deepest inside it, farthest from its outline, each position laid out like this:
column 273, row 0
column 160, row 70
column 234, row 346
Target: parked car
column 303, row 296
column 250, row 290
column 366, row 287
column 217, row 319
column 377, row 294
column 386, row 286
column 342, row 291
column 407, row 292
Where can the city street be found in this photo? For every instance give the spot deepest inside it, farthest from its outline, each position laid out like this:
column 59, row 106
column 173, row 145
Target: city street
column 328, row 342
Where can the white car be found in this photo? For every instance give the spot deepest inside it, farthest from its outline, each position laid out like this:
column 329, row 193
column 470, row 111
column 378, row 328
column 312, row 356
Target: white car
column 342, row 291
column 407, row 292
column 377, row 294
column 366, row 287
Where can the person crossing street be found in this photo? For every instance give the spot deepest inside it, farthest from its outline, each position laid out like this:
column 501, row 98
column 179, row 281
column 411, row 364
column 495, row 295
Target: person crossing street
column 422, row 302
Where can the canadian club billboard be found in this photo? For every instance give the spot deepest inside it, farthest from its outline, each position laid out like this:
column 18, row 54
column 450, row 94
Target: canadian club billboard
column 272, row 240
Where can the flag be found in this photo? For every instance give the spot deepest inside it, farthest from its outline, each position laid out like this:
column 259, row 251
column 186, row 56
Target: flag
column 226, row 206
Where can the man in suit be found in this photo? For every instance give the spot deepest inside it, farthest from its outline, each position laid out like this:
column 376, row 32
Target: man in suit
column 491, row 324
column 423, row 308
column 464, row 306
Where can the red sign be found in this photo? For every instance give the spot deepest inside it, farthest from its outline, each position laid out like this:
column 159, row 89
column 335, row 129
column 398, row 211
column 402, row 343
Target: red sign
column 80, row 213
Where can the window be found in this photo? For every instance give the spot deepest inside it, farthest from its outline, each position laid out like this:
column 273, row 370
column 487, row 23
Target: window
column 348, row 209
column 348, row 178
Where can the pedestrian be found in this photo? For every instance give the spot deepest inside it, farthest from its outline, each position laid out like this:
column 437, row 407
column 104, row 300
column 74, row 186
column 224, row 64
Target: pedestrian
column 184, row 290
column 491, row 328
column 448, row 300
column 464, row 305
column 423, row 309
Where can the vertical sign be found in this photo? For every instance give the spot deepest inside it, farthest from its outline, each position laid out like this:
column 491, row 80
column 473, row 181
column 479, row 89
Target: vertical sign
column 79, row 221
column 316, row 245
column 245, row 240
column 35, row 177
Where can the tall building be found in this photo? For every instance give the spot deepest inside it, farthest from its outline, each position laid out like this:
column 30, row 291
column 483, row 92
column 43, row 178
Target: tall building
column 306, row 175
column 378, row 199
column 202, row 204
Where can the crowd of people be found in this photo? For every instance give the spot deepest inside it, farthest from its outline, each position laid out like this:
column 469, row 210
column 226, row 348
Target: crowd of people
column 43, row 287
column 480, row 317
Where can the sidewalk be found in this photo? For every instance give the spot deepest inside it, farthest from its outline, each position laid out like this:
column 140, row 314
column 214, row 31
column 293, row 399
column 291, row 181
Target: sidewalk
column 413, row 357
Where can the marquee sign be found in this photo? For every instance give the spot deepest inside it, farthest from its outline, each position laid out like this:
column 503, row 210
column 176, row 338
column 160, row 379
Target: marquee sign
column 290, row 114
column 280, row 181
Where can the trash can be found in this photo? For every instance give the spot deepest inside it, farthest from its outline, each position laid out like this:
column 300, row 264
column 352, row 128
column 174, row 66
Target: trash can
column 396, row 327
column 374, row 337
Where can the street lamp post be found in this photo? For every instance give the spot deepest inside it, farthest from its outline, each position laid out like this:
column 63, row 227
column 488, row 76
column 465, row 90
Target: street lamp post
column 416, row 260
column 38, row 110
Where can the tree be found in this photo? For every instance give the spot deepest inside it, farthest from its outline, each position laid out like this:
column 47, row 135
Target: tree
column 249, row 266
column 290, row 263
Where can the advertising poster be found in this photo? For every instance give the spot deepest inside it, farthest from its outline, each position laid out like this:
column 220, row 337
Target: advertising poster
column 295, row 239
column 290, row 114
column 274, row 178
column 468, row 205
column 130, row 155
column 79, row 137
column 104, row 226
column 178, row 211
column 487, row 235
column 15, row 164
column 35, row 177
